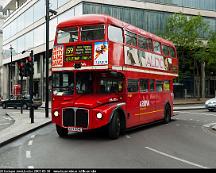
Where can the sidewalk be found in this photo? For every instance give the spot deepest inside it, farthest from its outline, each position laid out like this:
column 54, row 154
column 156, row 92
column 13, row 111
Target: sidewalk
column 23, row 125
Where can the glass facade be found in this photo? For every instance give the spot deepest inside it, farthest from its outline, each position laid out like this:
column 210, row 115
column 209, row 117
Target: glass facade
column 197, row 4
column 35, row 37
column 151, row 21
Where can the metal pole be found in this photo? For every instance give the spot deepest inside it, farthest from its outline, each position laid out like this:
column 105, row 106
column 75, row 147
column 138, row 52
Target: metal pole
column 21, row 94
column 10, row 72
column 47, row 61
column 31, row 88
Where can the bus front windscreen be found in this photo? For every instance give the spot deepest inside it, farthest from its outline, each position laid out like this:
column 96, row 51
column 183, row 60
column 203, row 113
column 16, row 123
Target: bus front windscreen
column 63, row 83
column 67, row 35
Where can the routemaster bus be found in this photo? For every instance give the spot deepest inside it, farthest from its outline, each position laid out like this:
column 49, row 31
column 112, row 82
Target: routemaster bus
column 109, row 74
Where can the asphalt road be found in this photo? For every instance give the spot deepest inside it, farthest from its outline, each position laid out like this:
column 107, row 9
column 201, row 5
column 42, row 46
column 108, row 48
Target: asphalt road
column 186, row 142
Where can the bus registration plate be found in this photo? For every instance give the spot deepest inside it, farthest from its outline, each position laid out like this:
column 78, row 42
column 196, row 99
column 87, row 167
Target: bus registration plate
column 74, row 129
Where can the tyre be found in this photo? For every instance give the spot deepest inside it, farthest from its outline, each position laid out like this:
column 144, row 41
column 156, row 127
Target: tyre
column 114, row 127
column 167, row 114
column 62, row 132
column 4, row 106
column 25, row 106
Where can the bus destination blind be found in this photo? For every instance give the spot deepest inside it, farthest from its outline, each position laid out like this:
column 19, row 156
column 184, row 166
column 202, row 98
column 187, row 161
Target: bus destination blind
column 76, row 53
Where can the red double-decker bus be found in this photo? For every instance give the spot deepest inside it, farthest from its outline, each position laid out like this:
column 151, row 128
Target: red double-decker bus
column 107, row 73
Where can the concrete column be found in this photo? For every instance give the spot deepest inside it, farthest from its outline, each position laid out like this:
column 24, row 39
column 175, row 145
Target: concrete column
column 41, row 92
column 16, row 74
column 5, row 81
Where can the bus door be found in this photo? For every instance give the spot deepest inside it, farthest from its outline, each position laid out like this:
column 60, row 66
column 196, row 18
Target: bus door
column 132, row 103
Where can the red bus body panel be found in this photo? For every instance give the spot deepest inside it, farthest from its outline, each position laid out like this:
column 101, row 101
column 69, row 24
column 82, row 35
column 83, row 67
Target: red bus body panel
column 129, row 103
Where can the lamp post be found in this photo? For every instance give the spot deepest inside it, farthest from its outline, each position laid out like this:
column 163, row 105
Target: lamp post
column 53, row 12
column 10, row 71
column 47, row 60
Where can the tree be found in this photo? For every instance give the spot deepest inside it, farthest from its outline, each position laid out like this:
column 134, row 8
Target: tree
column 186, row 32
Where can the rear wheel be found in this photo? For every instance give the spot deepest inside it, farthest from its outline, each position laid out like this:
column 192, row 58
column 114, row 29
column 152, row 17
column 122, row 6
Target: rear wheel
column 167, row 114
column 62, row 132
column 114, row 127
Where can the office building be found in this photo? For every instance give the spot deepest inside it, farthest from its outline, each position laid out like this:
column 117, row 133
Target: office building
column 24, row 27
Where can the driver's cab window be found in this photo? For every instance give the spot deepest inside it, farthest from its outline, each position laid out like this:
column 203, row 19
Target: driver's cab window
column 84, row 83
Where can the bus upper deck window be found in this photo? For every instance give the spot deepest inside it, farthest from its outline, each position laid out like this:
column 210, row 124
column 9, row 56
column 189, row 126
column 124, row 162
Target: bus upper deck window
column 131, row 38
column 115, row 34
column 89, row 33
column 172, row 52
column 157, row 48
column 67, row 35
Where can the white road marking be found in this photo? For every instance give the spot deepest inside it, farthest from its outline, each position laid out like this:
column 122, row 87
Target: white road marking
column 32, row 136
column 209, row 125
column 30, row 167
column 4, row 124
column 127, row 136
column 28, row 154
column 176, row 158
column 199, row 113
column 30, row 142
column 8, row 118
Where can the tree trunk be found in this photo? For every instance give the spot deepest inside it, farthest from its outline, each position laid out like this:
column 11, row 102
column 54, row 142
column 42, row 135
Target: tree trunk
column 203, row 79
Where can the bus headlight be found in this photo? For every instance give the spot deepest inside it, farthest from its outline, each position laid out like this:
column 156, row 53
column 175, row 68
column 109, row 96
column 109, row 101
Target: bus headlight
column 99, row 115
column 56, row 113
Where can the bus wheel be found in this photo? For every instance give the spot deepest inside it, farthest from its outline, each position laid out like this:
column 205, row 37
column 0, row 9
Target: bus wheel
column 25, row 106
column 114, row 127
column 4, row 106
column 62, row 132
column 167, row 114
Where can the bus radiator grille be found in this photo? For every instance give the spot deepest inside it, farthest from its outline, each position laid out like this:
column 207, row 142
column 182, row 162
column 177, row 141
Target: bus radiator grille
column 68, row 117
column 82, row 118
column 75, row 117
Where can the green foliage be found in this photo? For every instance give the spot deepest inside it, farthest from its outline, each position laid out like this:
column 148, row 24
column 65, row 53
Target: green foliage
column 211, row 45
column 186, row 31
column 195, row 44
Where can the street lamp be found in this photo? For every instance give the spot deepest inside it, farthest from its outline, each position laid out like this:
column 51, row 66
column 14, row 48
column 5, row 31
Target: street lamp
column 30, row 72
column 53, row 12
column 10, row 71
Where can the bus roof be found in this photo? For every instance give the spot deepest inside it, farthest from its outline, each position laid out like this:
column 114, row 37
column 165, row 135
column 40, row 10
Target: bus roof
column 91, row 19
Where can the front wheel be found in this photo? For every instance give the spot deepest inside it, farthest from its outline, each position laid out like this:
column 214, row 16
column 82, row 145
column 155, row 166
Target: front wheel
column 167, row 114
column 114, row 127
column 25, row 106
column 4, row 106
column 62, row 132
